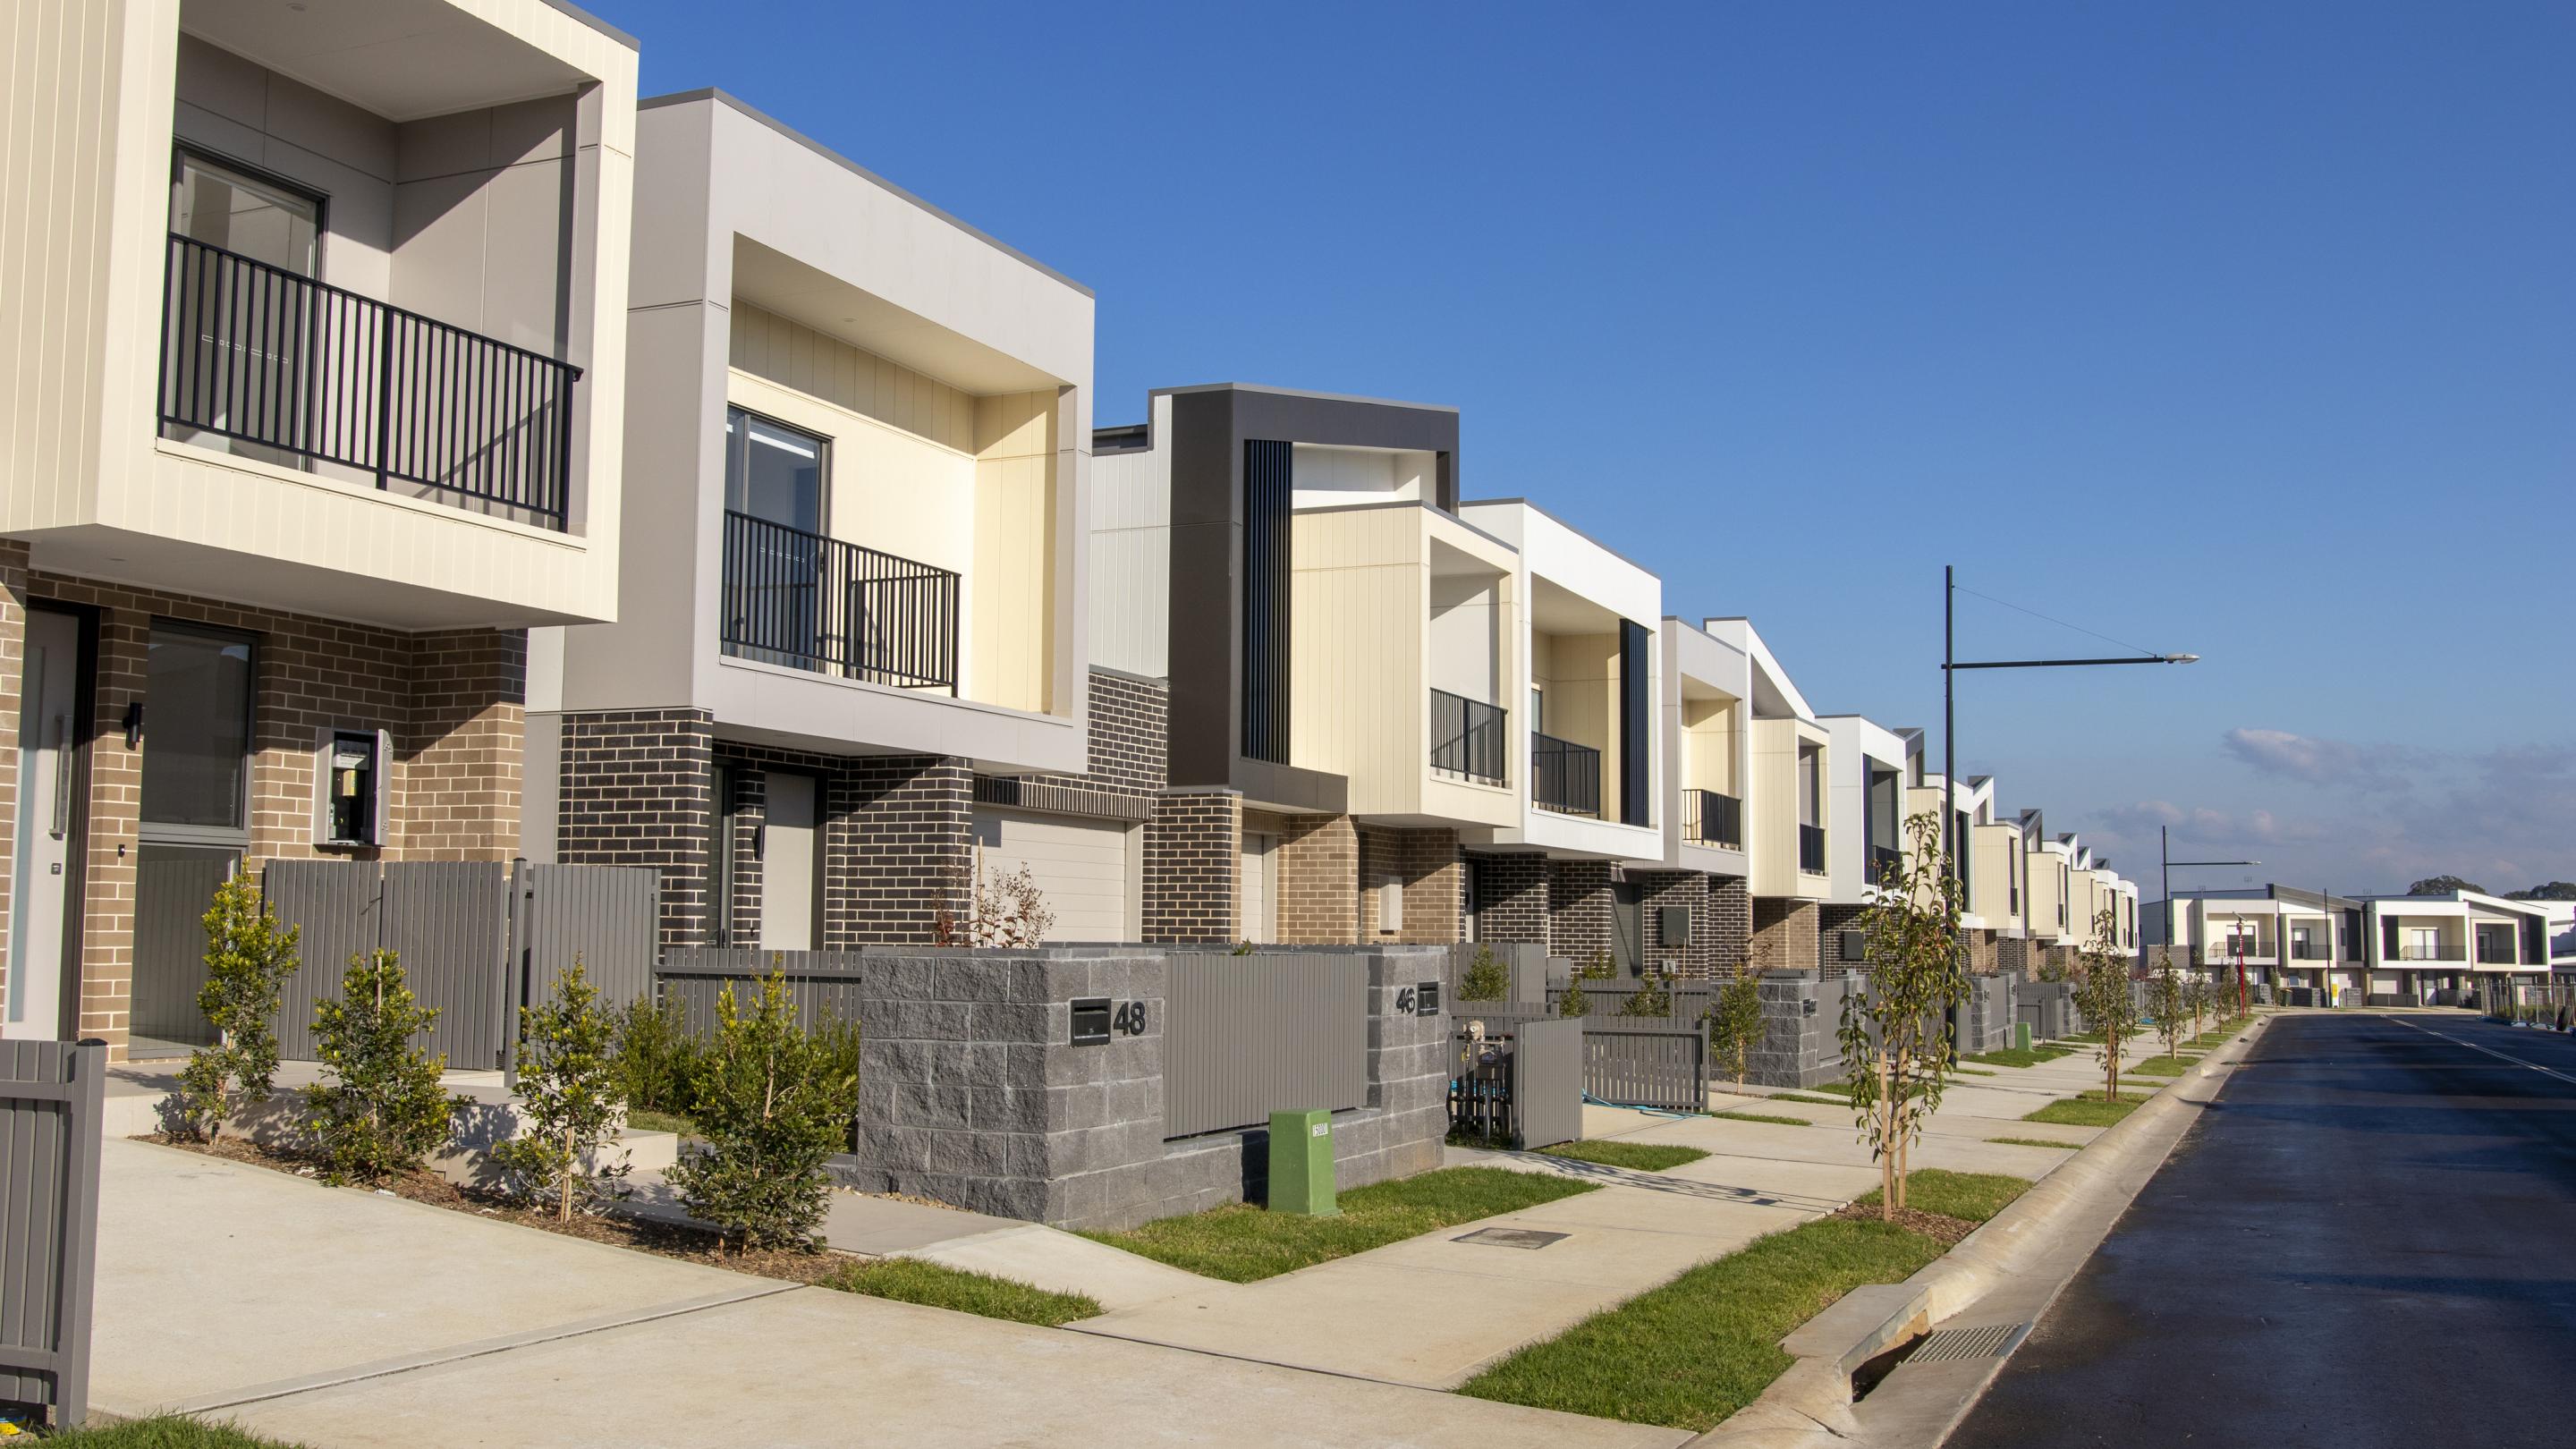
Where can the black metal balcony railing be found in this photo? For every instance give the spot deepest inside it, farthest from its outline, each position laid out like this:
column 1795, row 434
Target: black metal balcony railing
column 811, row 602
column 2499, row 953
column 2310, row 951
column 256, row 353
column 1469, row 737
column 1885, row 864
column 2425, row 953
column 2245, row 946
column 1811, row 849
column 1564, row 776
column 1709, row 818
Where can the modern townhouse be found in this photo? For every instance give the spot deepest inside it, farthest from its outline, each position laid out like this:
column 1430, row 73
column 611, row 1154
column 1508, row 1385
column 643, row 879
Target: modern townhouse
column 1868, row 767
column 1342, row 650
column 849, row 670
column 1789, row 806
column 1708, row 685
column 312, row 407
column 2049, row 874
column 2431, row 949
column 1989, row 888
column 1584, row 665
column 2280, row 935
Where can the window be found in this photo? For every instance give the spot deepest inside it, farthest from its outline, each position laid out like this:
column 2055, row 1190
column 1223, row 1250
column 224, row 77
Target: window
column 2423, row 943
column 773, row 472
column 196, row 768
column 250, row 216
column 1538, row 710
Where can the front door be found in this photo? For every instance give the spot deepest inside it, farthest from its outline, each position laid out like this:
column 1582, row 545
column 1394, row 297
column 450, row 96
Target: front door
column 48, row 829
column 791, row 836
column 1627, row 931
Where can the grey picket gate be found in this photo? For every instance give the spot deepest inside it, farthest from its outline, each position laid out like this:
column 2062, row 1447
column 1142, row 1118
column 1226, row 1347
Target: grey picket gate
column 50, row 1100
column 1660, row 1067
column 1244, row 1036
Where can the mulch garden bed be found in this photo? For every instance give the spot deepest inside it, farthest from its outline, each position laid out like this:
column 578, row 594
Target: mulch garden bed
column 1947, row 1231
column 670, row 1240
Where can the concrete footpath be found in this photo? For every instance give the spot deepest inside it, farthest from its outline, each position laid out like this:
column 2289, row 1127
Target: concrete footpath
column 342, row 1318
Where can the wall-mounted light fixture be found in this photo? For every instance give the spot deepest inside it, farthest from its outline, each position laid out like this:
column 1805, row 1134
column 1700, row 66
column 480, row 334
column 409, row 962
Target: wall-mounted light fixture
column 133, row 723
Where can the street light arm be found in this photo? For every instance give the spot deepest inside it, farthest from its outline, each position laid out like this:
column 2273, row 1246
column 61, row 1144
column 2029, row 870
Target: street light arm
column 2074, row 663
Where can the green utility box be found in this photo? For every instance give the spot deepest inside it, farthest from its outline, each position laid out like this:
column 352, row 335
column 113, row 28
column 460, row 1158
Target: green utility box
column 1301, row 1163
column 2021, row 1035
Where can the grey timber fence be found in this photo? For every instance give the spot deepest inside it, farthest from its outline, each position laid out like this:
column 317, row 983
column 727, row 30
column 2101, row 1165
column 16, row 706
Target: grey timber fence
column 50, row 1095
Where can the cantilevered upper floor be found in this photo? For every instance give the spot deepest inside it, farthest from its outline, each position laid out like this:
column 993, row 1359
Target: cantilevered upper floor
column 1584, row 664
column 858, row 433
column 1708, row 687
column 1870, row 764
column 318, row 306
column 1337, row 638
column 1789, row 800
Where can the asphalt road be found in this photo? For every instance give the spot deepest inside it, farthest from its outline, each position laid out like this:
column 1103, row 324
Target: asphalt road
column 2369, row 1239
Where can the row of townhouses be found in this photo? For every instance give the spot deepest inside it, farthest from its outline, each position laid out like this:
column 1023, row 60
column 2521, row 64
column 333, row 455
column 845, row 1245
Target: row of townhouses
column 414, row 447
column 2429, row 950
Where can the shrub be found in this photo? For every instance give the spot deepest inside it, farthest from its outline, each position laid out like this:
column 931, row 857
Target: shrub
column 1574, row 1002
column 248, row 963
column 1735, row 1025
column 773, row 1103
column 568, row 1099
column 379, row 1110
column 1651, row 998
column 1486, row 978
column 657, row 1059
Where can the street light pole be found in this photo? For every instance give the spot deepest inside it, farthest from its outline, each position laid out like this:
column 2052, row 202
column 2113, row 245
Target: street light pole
column 1950, row 667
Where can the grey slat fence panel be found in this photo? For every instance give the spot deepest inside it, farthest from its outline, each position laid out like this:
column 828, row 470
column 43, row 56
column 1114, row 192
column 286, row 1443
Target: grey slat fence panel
column 1244, row 1036
column 448, row 922
column 1645, row 1067
column 334, row 903
column 1547, row 1082
column 820, row 984
column 50, row 1100
column 170, row 898
column 604, row 914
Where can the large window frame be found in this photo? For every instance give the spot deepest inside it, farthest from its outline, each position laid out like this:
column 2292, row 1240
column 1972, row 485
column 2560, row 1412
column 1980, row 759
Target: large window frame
column 156, row 716
column 737, row 463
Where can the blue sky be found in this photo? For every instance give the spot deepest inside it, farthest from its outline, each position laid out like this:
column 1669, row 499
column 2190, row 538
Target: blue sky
column 2243, row 330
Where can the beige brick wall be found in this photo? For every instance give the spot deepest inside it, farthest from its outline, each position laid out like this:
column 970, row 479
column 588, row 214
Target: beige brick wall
column 1784, row 935
column 1433, row 876
column 1319, row 879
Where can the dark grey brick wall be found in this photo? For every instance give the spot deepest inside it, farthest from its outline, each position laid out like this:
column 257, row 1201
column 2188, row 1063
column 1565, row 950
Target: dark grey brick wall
column 635, row 788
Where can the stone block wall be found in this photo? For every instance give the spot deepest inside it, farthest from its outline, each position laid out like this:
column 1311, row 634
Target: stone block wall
column 1801, row 1015
column 1986, row 1017
column 973, row 1094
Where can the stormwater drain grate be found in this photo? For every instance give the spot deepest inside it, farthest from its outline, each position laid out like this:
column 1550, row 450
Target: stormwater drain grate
column 1511, row 1238
column 1993, row 1341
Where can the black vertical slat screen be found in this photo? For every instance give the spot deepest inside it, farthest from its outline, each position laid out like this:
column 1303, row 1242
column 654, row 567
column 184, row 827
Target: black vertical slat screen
column 1269, row 478
column 1636, row 715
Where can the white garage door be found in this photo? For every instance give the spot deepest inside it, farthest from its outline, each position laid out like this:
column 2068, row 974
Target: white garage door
column 1080, row 866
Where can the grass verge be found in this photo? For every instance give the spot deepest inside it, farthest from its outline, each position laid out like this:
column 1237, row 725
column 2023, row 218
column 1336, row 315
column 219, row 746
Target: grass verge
column 1811, row 1099
column 1637, row 1156
column 1775, row 1121
column 936, row 1285
column 2021, row 1056
column 2161, row 1066
column 1707, row 1343
column 642, row 1121
column 2087, row 1111
column 161, row 1431
column 1240, row 1243
column 1969, row 1196
column 2033, row 1142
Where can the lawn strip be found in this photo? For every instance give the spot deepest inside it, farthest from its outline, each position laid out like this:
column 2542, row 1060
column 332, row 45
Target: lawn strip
column 1240, row 1243
column 936, row 1285
column 1638, row 1156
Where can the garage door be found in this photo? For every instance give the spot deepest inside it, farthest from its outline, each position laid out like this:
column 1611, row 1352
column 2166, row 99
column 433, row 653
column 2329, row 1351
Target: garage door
column 1080, row 866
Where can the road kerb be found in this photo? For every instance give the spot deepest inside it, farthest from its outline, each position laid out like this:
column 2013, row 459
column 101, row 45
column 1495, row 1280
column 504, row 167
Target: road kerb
column 1810, row 1405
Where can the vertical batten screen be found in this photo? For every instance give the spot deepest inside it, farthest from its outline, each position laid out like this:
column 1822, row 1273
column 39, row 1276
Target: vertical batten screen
column 1269, row 480
column 1636, row 715
column 50, row 1099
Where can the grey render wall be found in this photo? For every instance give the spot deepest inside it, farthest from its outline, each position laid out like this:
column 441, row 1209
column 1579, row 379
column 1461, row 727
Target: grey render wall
column 1800, row 1018
column 972, row 1093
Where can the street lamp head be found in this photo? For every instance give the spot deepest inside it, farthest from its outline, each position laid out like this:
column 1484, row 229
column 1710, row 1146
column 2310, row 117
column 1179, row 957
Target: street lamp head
column 2181, row 658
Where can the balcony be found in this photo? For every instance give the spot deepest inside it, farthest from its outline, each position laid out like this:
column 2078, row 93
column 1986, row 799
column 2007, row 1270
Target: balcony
column 1885, row 864
column 1564, row 777
column 1811, row 849
column 2425, row 953
column 1709, row 818
column 1469, row 738
column 2309, row 951
column 264, row 356
column 2497, row 954
column 2245, row 947
column 810, row 602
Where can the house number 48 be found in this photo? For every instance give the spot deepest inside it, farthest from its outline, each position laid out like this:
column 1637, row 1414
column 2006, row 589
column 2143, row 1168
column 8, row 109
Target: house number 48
column 1130, row 1019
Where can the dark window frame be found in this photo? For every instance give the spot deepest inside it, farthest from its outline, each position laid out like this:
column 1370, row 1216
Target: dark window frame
column 173, row 833
column 182, row 152
column 737, row 448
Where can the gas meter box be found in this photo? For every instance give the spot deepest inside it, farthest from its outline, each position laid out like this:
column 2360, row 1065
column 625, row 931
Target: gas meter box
column 1301, row 1163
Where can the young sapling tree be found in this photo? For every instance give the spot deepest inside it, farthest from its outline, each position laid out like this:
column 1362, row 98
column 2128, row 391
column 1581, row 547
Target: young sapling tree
column 569, row 1103
column 379, row 1110
column 1896, row 1044
column 249, row 960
